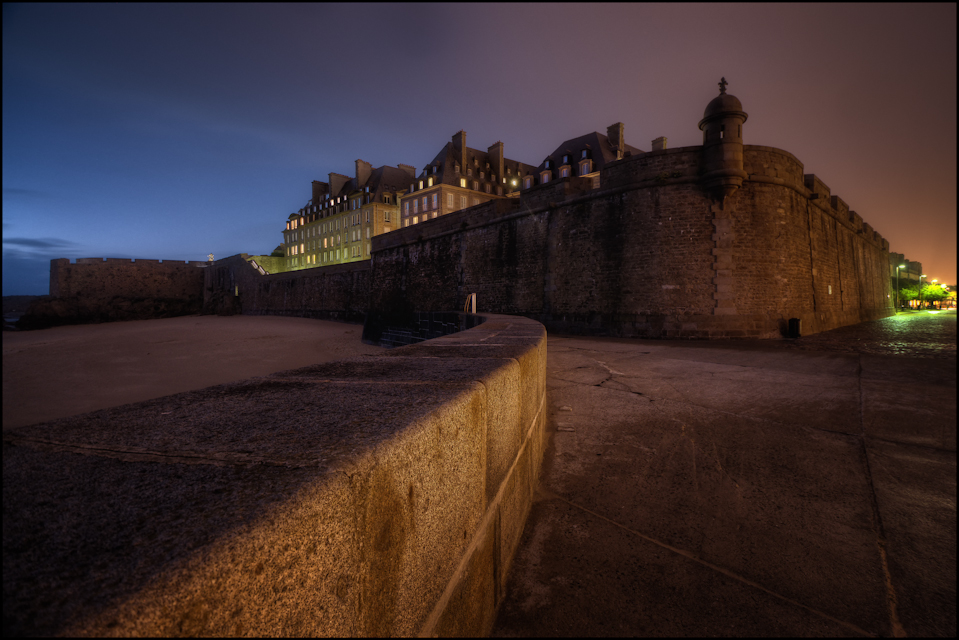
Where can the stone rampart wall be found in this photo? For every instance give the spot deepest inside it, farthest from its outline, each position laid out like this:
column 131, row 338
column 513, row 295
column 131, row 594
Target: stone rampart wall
column 381, row 496
column 104, row 279
column 648, row 254
column 338, row 292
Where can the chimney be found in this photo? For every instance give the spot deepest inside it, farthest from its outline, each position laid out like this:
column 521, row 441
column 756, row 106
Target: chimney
column 496, row 160
column 319, row 190
column 337, row 181
column 614, row 133
column 410, row 171
column 659, row 144
column 459, row 146
column 363, row 172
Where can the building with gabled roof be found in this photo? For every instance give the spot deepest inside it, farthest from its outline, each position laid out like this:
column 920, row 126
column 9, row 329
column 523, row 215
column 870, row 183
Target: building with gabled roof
column 584, row 156
column 460, row 177
column 336, row 225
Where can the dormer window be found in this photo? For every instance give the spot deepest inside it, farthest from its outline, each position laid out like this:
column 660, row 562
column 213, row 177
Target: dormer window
column 421, row 184
column 544, row 177
column 565, row 159
column 482, row 175
column 527, row 182
column 434, row 169
column 463, row 182
column 547, row 164
column 564, row 172
column 429, row 182
column 584, row 153
column 584, row 167
column 469, row 171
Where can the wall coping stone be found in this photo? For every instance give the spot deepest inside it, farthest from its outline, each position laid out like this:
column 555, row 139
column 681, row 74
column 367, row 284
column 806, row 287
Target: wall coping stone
column 375, row 496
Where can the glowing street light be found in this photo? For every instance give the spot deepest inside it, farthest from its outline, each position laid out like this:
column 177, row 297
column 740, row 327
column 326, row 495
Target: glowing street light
column 902, row 266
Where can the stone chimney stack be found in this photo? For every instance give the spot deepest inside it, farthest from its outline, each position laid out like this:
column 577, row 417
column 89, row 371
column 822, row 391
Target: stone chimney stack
column 363, row 172
column 496, row 160
column 320, row 189
column 615, row 134
column 459, row 146
column 337, row 180
column 659, row 144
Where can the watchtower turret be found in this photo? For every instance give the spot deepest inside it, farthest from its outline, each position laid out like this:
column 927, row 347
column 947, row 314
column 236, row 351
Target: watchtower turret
column 722, row 127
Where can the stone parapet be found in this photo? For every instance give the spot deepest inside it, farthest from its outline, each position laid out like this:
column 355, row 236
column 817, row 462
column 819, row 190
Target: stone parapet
column 374, row 496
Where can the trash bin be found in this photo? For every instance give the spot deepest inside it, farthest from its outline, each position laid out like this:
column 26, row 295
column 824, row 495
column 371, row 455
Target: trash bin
column 795, row 327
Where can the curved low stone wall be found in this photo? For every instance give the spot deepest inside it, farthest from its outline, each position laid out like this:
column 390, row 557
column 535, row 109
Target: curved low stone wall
column 375, row 496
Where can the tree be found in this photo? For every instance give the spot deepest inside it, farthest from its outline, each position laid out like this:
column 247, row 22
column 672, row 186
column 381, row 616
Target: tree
column 933, row 292
column 908, row 291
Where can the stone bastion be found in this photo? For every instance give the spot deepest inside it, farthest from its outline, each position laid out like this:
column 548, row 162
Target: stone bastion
column 375, row 496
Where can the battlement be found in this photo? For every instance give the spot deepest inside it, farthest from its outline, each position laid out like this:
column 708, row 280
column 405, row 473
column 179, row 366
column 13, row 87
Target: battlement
column 140, row 261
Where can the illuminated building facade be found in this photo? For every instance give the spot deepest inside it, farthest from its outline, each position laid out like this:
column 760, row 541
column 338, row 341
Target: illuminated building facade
column 460, row 177
column 336, row 225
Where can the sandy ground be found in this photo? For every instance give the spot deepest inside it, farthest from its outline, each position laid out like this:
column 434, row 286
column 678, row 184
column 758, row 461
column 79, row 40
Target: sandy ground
column 63, row 371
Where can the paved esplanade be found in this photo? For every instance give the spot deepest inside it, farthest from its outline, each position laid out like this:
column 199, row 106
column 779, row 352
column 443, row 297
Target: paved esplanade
column 739, row 488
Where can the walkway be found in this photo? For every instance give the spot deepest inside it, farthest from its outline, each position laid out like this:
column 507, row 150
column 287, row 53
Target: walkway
column 745, row 488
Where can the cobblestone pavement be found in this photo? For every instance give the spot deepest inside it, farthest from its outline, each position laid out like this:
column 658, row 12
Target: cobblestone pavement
column 920, row 334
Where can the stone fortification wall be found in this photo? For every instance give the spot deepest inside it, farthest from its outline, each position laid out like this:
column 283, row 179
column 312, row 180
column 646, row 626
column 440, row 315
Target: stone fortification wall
column 338, row 292
column 105, row 290
column 381, row 496
column 649, row 254
column 104, row 279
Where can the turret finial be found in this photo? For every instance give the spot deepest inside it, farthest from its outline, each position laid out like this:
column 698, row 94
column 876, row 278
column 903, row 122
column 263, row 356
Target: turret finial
column 722, row 85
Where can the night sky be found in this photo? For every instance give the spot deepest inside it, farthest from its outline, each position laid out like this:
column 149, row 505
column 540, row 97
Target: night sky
column 174, row 131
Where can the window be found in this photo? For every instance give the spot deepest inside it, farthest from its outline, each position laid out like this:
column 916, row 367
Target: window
column 722, row 131
column 425, row 203
column 462, row 202
column 547, row 164
column 416, row 219
column 421, row 184
column 449, row 200
column 482, row 175
column 475, row 201
column 564, row 172
column 475, row 185
column 434, row 169
column 386, row 216
column 436, row 200
column 406, row 208
column 416, row 205
column 544, row 177
column 527, row 182
column 584, row 168
column 565, row 159
column 463, row 182
column 486, row 187
column 429, row 182
column 584, row 153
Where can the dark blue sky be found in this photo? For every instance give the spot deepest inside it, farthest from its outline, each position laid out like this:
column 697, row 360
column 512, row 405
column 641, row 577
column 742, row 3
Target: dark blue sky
column 174, row 131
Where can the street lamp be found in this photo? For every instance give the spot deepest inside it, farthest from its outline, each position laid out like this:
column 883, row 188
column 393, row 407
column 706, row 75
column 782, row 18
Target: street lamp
column 920, row 290
column 902, row 266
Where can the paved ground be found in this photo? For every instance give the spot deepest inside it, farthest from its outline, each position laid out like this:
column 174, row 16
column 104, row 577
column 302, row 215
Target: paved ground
column 746, row 488
column 63, row 371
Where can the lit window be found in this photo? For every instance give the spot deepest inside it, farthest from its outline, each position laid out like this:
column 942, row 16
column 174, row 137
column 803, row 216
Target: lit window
column 421, row 184
column 463, row 182
column 416, row 219
column 429, row 182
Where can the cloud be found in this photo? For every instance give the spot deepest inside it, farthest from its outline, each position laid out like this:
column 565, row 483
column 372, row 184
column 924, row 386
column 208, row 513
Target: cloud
column 39, row 244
